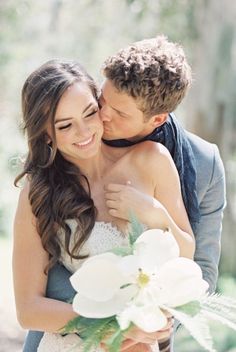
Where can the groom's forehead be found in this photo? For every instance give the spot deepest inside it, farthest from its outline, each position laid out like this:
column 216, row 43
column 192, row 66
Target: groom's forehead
column 111, row 93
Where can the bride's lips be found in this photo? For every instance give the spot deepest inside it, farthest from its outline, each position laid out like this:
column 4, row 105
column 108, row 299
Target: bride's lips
column 86, row 143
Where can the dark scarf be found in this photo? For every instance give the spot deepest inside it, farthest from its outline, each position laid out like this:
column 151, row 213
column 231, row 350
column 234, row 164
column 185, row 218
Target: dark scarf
column 174, row 138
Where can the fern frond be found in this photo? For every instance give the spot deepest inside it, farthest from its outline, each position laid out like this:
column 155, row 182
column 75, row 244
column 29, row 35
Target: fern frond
column 114, row 342
column 221, row 309
column 197, row 326
column 92, row 331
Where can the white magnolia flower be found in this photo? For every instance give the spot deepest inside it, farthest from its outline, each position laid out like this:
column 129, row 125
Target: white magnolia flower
column 137, row 287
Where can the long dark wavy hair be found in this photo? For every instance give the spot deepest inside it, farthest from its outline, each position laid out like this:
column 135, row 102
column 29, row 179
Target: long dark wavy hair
column 58, row 191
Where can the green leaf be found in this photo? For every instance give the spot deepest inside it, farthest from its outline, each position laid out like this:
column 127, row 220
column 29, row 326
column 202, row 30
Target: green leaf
column 93, row 331
column 121, row 251
column 191, row 308
column 114, row 342
column 136, row 229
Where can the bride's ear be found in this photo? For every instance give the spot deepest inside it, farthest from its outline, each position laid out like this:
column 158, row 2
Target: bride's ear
column 159, row 120
column 48, row 139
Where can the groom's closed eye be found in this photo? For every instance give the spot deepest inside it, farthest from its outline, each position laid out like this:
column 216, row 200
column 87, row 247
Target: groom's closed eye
column 101, row 101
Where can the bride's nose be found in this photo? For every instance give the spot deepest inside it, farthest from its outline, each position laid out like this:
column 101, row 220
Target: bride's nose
column 82, row 130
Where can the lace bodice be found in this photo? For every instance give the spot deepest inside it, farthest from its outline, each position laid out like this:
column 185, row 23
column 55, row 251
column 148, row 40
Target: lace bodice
column 103, row 238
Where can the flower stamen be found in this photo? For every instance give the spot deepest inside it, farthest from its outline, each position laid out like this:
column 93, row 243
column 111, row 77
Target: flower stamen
column 143, row 279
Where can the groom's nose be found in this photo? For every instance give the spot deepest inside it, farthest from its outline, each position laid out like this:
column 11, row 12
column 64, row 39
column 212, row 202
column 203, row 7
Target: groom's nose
column 105, row 113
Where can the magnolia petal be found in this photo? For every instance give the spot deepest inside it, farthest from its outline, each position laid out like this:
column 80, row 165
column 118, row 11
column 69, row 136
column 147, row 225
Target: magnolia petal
column 181, row 282
column 148, row 318
column 99, row 279
column 94, row 309
column 106, row 256
column 154, row 248
column 194, row 289
column 129, row 266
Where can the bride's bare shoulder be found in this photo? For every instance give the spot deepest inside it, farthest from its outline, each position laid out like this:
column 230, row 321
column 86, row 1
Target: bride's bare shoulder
column 150, row 151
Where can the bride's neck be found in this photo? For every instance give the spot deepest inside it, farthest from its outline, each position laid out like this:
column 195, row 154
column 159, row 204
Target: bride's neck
column 95, row 168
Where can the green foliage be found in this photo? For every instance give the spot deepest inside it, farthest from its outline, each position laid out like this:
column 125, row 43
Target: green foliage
column 114, row 342
column 224, row 337
column 122, row 251
column 93, row 331
column 221, row 308
column 191, row 308
column 136, row 229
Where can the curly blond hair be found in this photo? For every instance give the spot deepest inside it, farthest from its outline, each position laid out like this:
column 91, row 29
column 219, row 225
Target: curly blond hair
column 153, row 71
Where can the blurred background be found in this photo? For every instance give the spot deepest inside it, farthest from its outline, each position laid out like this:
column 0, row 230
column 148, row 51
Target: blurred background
column 90, row 30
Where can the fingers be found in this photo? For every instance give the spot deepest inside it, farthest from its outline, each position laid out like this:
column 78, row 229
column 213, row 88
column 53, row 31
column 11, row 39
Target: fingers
column 150, row 338
column 112, row 204
column 139, row 347
column 142, row 337
column 168, row 314
column 115, row 198
column 162, row 336
column 127, row 344
column 116, row 214
column 169, row 325
column 114, row 187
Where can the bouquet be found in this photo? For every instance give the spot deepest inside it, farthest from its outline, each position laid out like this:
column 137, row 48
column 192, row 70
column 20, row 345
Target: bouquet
column 136, row 285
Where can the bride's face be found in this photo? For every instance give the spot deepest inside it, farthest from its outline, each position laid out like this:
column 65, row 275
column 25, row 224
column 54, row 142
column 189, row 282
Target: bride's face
column 78, row 128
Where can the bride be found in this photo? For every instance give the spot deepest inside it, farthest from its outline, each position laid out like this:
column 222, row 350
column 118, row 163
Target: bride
column 76, row 198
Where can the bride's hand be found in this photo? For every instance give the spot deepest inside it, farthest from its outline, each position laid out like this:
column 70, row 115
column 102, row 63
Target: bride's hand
column 121, row 200
column 137, row 340
column 141, row 336
column 131, row 346
column 137, row 347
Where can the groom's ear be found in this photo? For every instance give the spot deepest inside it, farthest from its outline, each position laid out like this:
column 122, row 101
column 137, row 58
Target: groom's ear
column 159, row 120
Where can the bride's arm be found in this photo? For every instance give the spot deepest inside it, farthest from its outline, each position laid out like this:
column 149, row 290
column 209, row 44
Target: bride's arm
column 165, row 209
column 34, row 310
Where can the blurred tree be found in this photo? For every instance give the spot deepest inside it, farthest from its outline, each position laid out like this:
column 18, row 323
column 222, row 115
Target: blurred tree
column 90, row 30
column 212, row 100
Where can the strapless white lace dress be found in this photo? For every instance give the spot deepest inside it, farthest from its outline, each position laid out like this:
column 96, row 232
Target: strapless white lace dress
column 103, row 237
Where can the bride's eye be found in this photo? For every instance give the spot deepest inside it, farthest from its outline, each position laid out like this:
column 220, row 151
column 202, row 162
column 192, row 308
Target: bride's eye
column 64, row 127
column 92, row 113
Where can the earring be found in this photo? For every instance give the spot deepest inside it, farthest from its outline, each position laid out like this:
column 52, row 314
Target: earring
column 50, row 150
column 49, row 158
column 50, row 153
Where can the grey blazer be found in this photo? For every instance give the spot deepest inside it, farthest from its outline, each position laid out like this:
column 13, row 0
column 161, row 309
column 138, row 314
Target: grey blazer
column 211, row 196
column 212, row 200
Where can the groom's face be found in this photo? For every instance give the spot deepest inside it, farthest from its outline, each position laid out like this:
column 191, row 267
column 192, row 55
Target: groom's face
column 121, row 116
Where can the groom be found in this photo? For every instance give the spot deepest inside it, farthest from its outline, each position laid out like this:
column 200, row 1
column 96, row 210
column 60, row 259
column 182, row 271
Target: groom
column 143, row 84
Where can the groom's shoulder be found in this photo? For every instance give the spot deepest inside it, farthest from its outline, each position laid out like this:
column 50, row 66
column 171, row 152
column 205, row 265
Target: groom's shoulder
column 207, row 156
column 201, row 148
